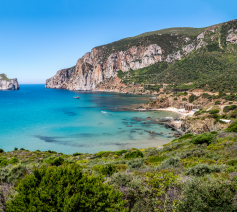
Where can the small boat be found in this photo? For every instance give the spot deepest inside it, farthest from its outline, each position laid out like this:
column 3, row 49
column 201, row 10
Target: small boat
column 76, row 97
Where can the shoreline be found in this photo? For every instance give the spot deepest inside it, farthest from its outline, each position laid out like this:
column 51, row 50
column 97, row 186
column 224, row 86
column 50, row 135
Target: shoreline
column 182, row 114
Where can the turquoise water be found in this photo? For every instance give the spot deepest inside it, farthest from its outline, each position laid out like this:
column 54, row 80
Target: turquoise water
column 49, row 119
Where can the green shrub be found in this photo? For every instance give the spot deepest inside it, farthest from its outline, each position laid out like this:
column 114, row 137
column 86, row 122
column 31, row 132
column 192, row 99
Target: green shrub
column 101, row 153
column 214, row 111
column 64, row 188
column 207, row 196
column 54, row 161
column 202, row 169
column 186, row 136
column 108, row 170
column 11, row 174
column 232, row 128
column 217, row 102
column 13, row 160
column 192, row 98
column 120, row 152
column 4, row 163
column 175, row 98
column 170, row 162
column 15, row 148
column 232, row 162
column 77, row 154
column 155, row 159
column 226, row 109
column 1, row 150
column 184, row 99
column 203, row 138
column 136, row 163
column 134, row 154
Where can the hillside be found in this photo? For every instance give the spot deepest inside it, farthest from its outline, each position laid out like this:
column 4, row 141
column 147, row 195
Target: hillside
column 192, row 173
column 201, row 57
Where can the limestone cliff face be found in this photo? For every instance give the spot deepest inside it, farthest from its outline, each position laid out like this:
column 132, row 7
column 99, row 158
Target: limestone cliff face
column 8, row 84
column 90, row 70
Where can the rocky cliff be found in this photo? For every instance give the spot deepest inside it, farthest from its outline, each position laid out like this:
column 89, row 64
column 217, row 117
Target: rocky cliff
column 128, row 55
column 8, row 84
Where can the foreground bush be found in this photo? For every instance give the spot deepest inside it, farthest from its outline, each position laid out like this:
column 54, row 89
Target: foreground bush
column 64, row 188
column 208, row 196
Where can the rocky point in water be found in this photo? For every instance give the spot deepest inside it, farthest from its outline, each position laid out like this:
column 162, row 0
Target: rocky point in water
column 8, row 84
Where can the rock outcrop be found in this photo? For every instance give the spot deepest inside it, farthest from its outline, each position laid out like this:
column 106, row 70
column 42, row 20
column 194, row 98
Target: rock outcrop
column 200, row 126
column 90, row 70
column 8, row 84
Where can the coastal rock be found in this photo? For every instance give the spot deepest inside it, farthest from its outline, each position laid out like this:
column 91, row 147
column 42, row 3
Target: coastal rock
column 91, row 69
column 8, row 84
column 199, row 126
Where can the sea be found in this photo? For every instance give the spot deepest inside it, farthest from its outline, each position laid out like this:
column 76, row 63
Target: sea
column 39, row 118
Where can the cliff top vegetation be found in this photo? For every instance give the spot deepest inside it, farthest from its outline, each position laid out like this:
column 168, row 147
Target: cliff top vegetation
column 4, row 77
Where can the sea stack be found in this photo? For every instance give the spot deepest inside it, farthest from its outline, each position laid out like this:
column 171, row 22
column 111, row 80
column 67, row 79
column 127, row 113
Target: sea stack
column 8, row 84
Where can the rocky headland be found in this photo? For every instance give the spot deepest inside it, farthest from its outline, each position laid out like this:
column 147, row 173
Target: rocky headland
column 8, row 84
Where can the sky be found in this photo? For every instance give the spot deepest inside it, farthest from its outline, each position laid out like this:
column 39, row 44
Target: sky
column 40, row 37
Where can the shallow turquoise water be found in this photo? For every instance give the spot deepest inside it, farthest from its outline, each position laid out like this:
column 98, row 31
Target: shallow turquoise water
column 49, row 119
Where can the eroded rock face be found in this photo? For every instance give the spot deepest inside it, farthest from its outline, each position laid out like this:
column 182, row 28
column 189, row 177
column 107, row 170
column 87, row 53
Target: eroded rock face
column 199, row 126
column 90, row 70
column 232, row 37
column 9, row 84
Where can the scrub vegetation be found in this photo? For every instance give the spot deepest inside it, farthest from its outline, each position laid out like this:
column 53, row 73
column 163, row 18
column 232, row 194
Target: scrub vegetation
column 191, row 173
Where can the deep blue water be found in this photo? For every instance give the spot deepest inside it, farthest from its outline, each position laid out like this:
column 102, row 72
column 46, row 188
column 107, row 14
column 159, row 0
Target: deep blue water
column 49, row 119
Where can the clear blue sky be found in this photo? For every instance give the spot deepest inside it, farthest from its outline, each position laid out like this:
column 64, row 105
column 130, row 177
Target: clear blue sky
column 40, row 37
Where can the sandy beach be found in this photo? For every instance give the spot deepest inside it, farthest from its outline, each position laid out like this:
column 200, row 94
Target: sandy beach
column 182, row 113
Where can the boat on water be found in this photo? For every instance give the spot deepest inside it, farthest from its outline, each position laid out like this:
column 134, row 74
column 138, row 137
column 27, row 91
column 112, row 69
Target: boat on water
column 76, row 97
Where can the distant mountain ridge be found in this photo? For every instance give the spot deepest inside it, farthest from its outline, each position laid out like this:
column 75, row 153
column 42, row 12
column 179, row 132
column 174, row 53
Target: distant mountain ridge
column 8, row 84
column 180, row 57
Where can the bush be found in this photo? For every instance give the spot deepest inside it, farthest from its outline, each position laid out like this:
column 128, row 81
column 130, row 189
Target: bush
column 77, row 154
column 64, row 188
column 186, row 136
column 211, row 195
column 203, row 138
column 217, row 102
column 184, row 99
column 226, row 109
column 214, row 111
column 192, row 98
column 101, row 153
column 13, row 160
column 108, row 170
column 175, row 98
column 15, row 148
column 134, row 154
column 1, row 150
column 202, row 169
column 54, row 161
column 232, row 128
column 136, row 163
column 11, row 174
column 155, row 159
column 120, row 152
column 171, row 162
